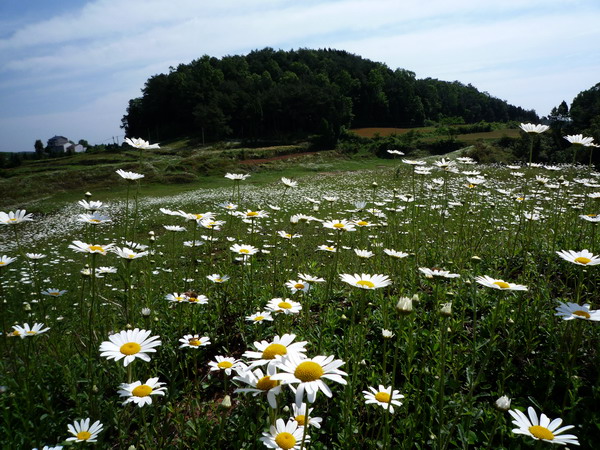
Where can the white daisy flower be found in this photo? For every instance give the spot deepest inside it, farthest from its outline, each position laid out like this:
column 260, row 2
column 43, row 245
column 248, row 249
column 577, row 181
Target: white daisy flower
column 15, row 217
column 83, row 432
column 260, row 384
column 260, row 317
column 243, row 249
column 340, row 225
column 141, row 394
column 300, row 416
column 542, row 429
column 582, row 258
column 285, row 436
column 570, row 311
column 194, row 341
column 383, row 397
column 27, row 331
column 141, row 144
column 297, row 285
column 223, row 363
column 365, row 281
column 308, row 375
column 499, row 284
column 270, row 352
column 236, row 176
column 129, row 176
column 285, row 306
column 216, row 278
column 82, row 247
column 5, row 260
column 394, row 253
column 430, row 273
column 54, row 292
column 129, row 345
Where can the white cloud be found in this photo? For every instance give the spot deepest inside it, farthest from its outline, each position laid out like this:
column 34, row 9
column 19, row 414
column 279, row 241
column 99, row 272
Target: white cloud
column 106, row 46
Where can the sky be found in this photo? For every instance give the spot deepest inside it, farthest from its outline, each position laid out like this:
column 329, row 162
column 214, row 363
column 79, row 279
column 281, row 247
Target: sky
column 70, row 68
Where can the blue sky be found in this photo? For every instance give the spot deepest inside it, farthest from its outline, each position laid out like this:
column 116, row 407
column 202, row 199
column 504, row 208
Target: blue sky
column 70, row 67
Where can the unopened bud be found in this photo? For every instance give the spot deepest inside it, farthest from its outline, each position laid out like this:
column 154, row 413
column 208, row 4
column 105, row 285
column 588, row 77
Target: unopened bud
column 387, row 334
column 146, row 312
column 404, row 306
column 503, row 403
column 446, row 310
column 226, row 402
column 88, row 194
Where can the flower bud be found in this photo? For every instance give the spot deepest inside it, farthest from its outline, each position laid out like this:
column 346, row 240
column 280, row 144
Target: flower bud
column 146, row 312
column 226, row 402
column 404, row 306
column 446, row 310
column 502, row 404
column 88, row 194
column 387, row 334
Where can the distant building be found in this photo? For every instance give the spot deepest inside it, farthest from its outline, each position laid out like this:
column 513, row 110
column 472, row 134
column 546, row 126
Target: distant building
column 60, row 144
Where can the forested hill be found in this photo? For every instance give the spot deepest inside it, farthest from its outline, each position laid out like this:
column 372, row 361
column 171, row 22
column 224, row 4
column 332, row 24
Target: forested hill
column 270, row 93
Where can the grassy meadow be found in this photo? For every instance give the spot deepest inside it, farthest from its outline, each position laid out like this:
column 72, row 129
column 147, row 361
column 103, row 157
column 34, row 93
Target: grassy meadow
column 372, row 305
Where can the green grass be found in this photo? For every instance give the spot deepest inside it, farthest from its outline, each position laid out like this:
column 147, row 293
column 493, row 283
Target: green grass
column 450, row 369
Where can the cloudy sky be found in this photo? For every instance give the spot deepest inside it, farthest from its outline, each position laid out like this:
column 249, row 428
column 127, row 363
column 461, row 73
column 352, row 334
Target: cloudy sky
column 70, row 67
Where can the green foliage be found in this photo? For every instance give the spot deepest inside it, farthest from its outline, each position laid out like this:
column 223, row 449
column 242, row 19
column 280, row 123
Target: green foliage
column 275, row 94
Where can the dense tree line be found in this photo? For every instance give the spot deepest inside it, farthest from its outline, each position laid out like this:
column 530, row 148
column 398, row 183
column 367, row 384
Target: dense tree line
column 270, row 93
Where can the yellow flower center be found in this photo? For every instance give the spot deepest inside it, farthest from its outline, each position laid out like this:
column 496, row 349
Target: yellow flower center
column 96, row 248
column 366, row 283
column 225, row 365
column 592, row 215
column 583, row 260
column 520, row 199
column 94, row 220
column 300, row 419
column 218, row 280
column 329, row 248
column 259, row 318
column 12, row 220
column 265, row 383
column 273, row 350
column 31, row 332
column 502, row 284
column 193, row 341
column 131, row 348
column 285, row 440
column 54, row 293
column 244, row 250
column 582, row 314
column 2, row 263
column 382, row 397
column 252, row 214
column 308, row 371
column 541, row 432
column 83, row 435
column 299, row 286
column 338, row 225
column 141, row 391
column 362, row 223
column 16, row 333
column 285, row 305
column 131, row 256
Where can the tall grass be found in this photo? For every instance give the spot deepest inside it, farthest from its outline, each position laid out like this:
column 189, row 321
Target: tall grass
column 449, row 367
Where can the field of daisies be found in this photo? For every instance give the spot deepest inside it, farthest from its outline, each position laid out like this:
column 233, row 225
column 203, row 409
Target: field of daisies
column 438, row 304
